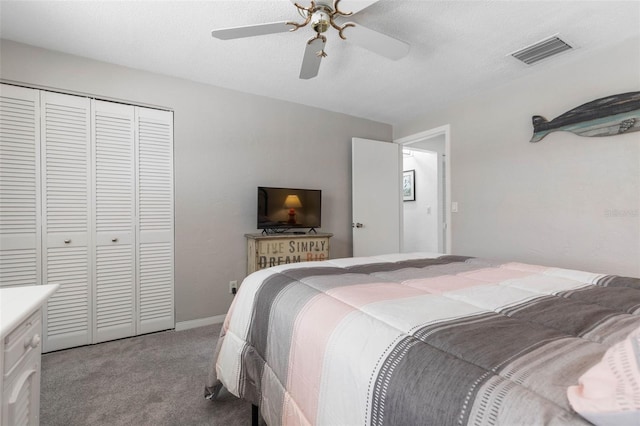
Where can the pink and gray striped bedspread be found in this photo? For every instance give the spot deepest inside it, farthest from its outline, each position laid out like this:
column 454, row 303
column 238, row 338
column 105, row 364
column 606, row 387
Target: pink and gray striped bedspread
column 419, row 339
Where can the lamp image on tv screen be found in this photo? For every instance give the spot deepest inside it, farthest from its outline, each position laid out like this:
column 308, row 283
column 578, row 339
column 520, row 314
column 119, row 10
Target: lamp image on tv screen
column 284, row 208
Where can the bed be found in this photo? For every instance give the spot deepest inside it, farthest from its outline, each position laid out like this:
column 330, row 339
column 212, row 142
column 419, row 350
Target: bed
column 430, row 339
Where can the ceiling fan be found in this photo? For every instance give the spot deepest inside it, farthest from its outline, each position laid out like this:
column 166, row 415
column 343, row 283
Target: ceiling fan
column 321, row 15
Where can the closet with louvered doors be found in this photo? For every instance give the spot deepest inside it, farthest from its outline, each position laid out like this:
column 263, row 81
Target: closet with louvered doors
column 87, row 203
column 133, row 220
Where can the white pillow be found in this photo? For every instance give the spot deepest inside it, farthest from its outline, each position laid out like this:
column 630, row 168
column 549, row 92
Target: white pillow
column 609, row 392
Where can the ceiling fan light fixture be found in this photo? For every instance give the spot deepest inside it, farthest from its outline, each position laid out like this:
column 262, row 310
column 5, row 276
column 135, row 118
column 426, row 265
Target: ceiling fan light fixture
column 320, row 21
column 321, row 15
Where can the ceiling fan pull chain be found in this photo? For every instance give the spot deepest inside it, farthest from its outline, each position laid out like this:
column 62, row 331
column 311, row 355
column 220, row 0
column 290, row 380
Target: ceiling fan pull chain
column 320, row 53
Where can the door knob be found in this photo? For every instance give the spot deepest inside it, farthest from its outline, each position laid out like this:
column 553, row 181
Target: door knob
column 67, row 241
column 359, row 225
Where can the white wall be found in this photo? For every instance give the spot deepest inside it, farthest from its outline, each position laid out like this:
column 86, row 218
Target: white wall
column 420, row 217
column 567, row 200
column 226, row 144
column 437, row 145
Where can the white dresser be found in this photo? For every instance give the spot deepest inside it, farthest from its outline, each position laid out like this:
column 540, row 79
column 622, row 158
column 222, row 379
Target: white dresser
column 21, row 334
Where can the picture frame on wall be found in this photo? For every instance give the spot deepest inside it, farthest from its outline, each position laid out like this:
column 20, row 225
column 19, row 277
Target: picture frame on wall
column 409, row 185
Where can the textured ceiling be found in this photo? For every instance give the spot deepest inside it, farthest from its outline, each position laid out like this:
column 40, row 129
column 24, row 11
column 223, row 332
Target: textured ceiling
column 457, row 47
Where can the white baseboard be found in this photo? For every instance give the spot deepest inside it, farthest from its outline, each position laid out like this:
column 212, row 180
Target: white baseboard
column 201, row 322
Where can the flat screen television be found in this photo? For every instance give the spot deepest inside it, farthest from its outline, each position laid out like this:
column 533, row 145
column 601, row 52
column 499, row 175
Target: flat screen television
column 281, row 209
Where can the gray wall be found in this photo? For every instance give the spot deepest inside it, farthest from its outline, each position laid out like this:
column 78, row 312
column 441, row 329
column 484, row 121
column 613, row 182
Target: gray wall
column 567, row 200
column 226, row 144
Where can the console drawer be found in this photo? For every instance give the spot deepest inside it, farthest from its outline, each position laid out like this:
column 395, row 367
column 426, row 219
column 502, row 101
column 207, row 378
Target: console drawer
column 22, row 341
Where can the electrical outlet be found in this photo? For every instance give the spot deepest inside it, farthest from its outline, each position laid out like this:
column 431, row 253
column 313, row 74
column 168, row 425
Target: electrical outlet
column 233, row 286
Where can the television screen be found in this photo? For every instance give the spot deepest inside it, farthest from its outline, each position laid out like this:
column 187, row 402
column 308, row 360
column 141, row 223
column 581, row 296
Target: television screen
column 284, row 208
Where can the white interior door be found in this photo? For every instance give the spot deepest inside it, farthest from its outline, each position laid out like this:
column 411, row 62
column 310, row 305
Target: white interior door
column 376, row 197
column 114, row 313
column 19, row 186
column 154, row 144
column 66, row 219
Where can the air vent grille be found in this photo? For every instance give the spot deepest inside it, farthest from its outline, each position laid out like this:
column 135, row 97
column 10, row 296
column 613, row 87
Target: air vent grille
column 541, row 50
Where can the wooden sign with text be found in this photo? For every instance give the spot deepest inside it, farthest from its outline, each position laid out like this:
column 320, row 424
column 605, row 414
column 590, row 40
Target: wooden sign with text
column 267, row 251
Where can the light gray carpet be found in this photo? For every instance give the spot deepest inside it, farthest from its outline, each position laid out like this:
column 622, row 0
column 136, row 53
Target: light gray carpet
column 156, row 379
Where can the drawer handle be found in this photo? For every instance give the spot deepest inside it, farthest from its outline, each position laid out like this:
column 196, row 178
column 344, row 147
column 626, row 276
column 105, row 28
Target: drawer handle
column 13, row 399
column 114, row 240
column 33, row 342
column 67, row 241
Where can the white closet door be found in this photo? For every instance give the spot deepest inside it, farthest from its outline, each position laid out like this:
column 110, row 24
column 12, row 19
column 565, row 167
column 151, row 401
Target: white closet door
column 154, row 139
column 66, row 217
column 114, row 220
column 19, row 186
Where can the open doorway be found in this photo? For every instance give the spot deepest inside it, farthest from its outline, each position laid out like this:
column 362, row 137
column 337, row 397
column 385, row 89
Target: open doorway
column 426, row 219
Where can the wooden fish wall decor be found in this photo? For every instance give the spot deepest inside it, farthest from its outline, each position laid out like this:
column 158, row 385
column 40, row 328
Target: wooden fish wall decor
column 603, row 117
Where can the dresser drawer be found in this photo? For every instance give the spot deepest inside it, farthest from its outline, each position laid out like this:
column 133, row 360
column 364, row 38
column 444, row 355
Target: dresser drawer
column 22, row 341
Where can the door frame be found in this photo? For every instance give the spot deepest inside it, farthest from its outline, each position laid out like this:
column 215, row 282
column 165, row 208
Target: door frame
column 428, row 134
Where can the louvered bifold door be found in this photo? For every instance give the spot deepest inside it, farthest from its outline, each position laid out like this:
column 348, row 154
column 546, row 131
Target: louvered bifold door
column 114, row 314
column 19, row 186
column 66, row 217
column 154, row 138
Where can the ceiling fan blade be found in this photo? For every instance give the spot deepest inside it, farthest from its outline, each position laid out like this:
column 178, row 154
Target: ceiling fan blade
column 312, row 58
column 251, row 30
column 345, row 6
column 376, row 42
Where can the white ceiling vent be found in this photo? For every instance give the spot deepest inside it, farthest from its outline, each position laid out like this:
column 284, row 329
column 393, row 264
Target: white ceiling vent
column 541, row 50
